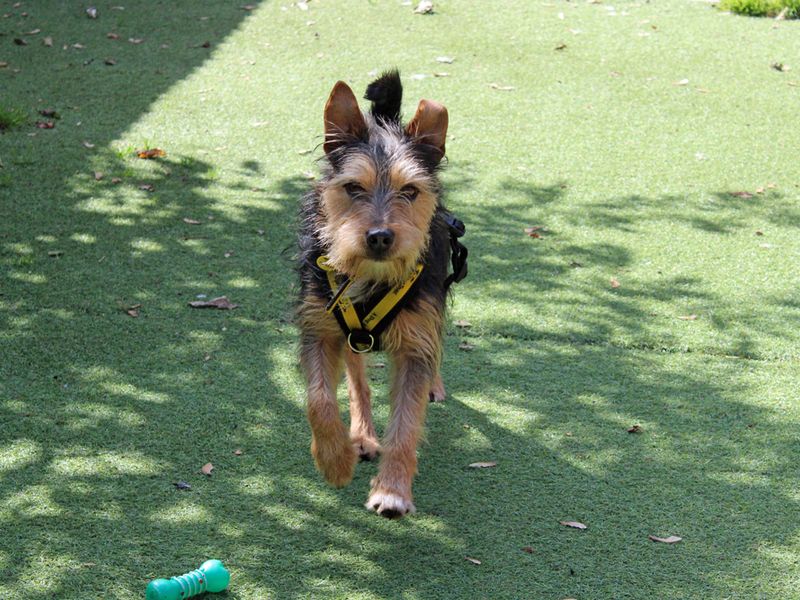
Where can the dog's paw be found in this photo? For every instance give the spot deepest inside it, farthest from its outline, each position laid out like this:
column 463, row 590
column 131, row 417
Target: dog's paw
column 437, row 393
column 335, row 459
column 389, row 504
column 367, row 447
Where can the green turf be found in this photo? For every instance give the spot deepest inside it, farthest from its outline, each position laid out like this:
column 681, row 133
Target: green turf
column 632, row 146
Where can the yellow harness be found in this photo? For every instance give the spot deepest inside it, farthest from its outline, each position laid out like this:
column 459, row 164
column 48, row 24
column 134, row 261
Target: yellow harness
column 361, row 333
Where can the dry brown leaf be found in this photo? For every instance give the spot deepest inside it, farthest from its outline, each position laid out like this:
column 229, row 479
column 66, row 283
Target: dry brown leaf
column 133, row 311
column 425, row 7
column 33, row 32
column 614, row 282
column 45, row 124
column 635, row 429
column 49, row 112
column 682, row 82
column 91, row 12
column 206, row 469
column 745, row 195
column 688, row 317
column 779, row 66
column 147, row 187
column 483, row 465
column 673, row 539
column 135, row 40
column 110, row 62
column 502, row 88
column 474, row 561
column 222, row 303
column 466, row 346
column 78, row 46
column 237, row 452
column 573, row 524
column 150, row 153
column 116, row 180
column 192, row 221
column 528, row 549
column 759, row 232
column 561, row 46
column 48, row 41
column 55, row 253
column 20, row 42
column 98, row 176
column 462, row 324
column 112, row 36
column 88, row 144
column 445, row 59
column 248, row 7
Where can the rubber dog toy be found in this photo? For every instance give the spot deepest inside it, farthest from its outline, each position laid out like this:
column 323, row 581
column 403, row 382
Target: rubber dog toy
column 210, row 577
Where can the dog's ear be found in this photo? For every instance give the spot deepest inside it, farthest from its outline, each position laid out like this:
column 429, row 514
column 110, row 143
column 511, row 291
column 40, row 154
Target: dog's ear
column 429, row 126
column 343, row 118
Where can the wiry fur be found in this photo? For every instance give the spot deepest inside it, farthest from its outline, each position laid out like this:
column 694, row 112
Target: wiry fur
column 372, row 163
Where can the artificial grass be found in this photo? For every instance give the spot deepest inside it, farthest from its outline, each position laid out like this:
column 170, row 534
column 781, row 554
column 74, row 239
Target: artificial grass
column 635, row 173
column 762, row 8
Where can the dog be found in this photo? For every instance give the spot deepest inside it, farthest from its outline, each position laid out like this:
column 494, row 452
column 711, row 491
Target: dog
column 375, row 246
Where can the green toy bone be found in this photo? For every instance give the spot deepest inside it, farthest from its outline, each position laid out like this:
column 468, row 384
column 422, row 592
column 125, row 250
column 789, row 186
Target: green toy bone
column 210, row 577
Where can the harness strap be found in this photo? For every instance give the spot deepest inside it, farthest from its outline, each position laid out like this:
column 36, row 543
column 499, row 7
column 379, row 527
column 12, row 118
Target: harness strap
column 363, row 334
column 458, row 251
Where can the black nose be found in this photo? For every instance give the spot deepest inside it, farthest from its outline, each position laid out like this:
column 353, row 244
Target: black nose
column 380, row 240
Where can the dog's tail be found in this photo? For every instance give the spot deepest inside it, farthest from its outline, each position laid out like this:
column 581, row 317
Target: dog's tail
column 386, row 95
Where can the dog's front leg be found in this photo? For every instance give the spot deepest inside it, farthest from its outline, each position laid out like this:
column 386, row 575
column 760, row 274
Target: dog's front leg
column 391, row 489
column 333, row 453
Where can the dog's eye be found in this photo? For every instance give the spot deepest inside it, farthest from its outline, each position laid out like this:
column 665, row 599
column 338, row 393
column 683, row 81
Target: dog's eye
column 409, row 192
column 353, row 189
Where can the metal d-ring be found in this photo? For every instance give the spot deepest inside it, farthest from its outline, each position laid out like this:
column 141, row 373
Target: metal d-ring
column 356, row 350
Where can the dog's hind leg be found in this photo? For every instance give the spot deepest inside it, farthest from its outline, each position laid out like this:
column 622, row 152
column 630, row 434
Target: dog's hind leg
column 333, row 453
column 362, row 431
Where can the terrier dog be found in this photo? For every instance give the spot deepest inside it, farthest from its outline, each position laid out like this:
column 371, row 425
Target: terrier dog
column 375, row 244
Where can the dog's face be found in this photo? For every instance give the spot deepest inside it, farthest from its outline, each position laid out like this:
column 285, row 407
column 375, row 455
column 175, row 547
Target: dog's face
column 382, row 193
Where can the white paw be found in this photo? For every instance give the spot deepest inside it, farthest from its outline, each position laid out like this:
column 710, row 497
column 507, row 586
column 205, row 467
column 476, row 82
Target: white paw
column 389, row 505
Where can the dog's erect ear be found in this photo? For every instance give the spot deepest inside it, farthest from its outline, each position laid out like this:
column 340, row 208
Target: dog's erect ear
column 429, row 125
column 343, row 118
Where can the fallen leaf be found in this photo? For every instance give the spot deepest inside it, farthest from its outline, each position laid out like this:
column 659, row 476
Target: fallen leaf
column 116, row 180
column 206, row 469
column 91, row 12
column 502, row 88
column 482, row 465
column 462, row 324
column 149, row 153
column 534, row 231
column 237, row 452
column 474, row 561
column 302, row 5
column 441, row 74
column 228, row 254
column 528, row 549
column 133, row 311
column 192, row 221
column 779, row 66
column 110, row 62
column 466, row 346
column 49, row 112
column 135, row 40
column 98, row 176
column 681, row 82
column 575, row 264
column 221, row 303
column 688, row 317
column 182, row 485
column 744, row 195
column 78, row 46
column 260, row 232
column 55, row 253
column 248, row 7
column 20, row 42
column 573, row 524
column 112, row 36
column 614, row 282
column 635, row 429
column 147, row 187
column 304, row 152
column 48, row 41
column 561, row 46
column 205, row 44
column 425, row 7
column 33, row 32
column 3, row 64
column 87, row 144
column 45, row 124
column 673, row 539
column 445, row 59
column 759, row 232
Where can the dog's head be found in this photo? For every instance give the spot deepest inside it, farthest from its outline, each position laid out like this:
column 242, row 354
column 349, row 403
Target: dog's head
column 382, row 191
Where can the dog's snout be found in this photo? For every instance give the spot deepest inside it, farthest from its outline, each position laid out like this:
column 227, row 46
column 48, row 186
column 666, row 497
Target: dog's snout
column 380, row 240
